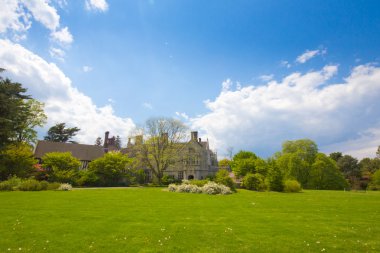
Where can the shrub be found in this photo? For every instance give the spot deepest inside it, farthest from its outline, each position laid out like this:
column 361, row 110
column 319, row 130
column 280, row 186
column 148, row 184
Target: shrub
column 291, row 185
column 31, row 185
column 223, row 177
column 172, row 187
column 188, row 188
column 62, row 167
column 53, row 186
column 214, row 188
column 198, row 183
column 65, row 187
column 254, row 182
column 374, row 185
column 168, row 179
column 11, row 184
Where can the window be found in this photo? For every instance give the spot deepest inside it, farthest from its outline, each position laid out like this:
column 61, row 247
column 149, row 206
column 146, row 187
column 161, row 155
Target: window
column 180, row 175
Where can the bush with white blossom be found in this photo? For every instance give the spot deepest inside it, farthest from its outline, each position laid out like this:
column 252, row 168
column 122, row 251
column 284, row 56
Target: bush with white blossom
column 65, row 187
column 209, row 188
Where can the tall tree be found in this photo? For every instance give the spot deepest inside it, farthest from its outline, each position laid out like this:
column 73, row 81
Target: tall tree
column 350, row 168
column 378, row 152
column 12, row 108
column 61, row 133
column 99, row 141
column 162, row 144
column 118, row 142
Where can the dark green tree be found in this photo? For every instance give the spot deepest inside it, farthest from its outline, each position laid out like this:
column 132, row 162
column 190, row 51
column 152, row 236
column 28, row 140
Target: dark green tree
column 99, row 141
column 349, row 166
column 275, row 177
column 336, row 156
column 61, row 133
column 118, row 142
column 247, row 162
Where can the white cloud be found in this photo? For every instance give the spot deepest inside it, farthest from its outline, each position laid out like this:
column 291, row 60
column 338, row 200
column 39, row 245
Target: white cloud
column 266, row 78
column 285, row 64
column 57, row 53
column 299, row 106
column 309, row 54
column 13, row 17
column 63, row 102
column 96, row 5
column 147, row 105
column 62, row 36
column 43, row 13
column 87, row 69
column 183, row 115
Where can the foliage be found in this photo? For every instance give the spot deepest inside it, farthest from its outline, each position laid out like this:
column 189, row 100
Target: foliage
column 349, row 166
column 196, row 182
column 18, row 184
column 118, row 143
column 162, row 146
column 336, row 156
column 99, row 141
column 11, row 184
column 223, row 177
column 61, row 133
column 32, row 185
column 305, row 149
column 291, row 185
column 324, row 175
column 275, row 177
column 168, row 179
column 65, row 187
column 225, row 164
column 16, row 159
column 247, row 162
column 293, row 166
column 254, row 182
column 375, row 181
column 112, row 169
column 61, row 166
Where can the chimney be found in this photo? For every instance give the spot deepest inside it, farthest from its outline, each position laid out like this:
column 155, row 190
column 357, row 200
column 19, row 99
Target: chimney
column 194, row 136
column 105, row 145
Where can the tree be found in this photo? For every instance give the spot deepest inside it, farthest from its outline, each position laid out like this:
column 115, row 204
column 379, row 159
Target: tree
column 247, row 162
column 378, row 152
column 375, row 181
column 254, row 182
column 224, row 164
column 118, row 142
column 349, row 166
column 306, row 149
column 162, row 145
column 61, row 166
column 336, row 156
column 16, row 160
column 31, row 116
column 324, row 175
column 112, row 169
column 275, row 177
column 99, row 141
column 223, row 177
column 11, row 104
column 59, row 133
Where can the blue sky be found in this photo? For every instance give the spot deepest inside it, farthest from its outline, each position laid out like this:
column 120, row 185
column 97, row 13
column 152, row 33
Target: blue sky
column 121, row 62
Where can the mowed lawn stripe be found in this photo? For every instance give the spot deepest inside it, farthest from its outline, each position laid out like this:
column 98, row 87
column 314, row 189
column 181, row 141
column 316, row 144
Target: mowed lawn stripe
column 154, row 220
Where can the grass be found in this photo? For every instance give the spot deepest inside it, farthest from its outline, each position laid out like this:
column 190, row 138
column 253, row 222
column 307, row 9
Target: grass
column 153, row 220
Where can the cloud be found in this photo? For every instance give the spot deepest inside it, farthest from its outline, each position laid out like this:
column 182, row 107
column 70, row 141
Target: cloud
column 16, row 19
column 57, row 53
column 43, row 13
column 63, row 102
column 285, row 64
column 260, row 118
column 87, row 69
column 62, row 36
column 266, row 78
column 183, row 115
column 310, row 54
column 147, row 105
column 96, row 5
column 13, row 17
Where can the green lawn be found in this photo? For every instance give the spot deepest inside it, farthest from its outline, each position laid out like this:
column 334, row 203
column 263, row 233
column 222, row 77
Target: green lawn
column 153, row 220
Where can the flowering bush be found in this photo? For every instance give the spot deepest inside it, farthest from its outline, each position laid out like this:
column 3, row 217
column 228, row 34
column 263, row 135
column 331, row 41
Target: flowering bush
column 214, row 188
column 172, row 187
column 209, row 188
column 65, row 187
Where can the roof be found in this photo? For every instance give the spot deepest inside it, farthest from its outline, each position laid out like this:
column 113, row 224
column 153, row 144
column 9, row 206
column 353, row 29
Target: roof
column 80, row 151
